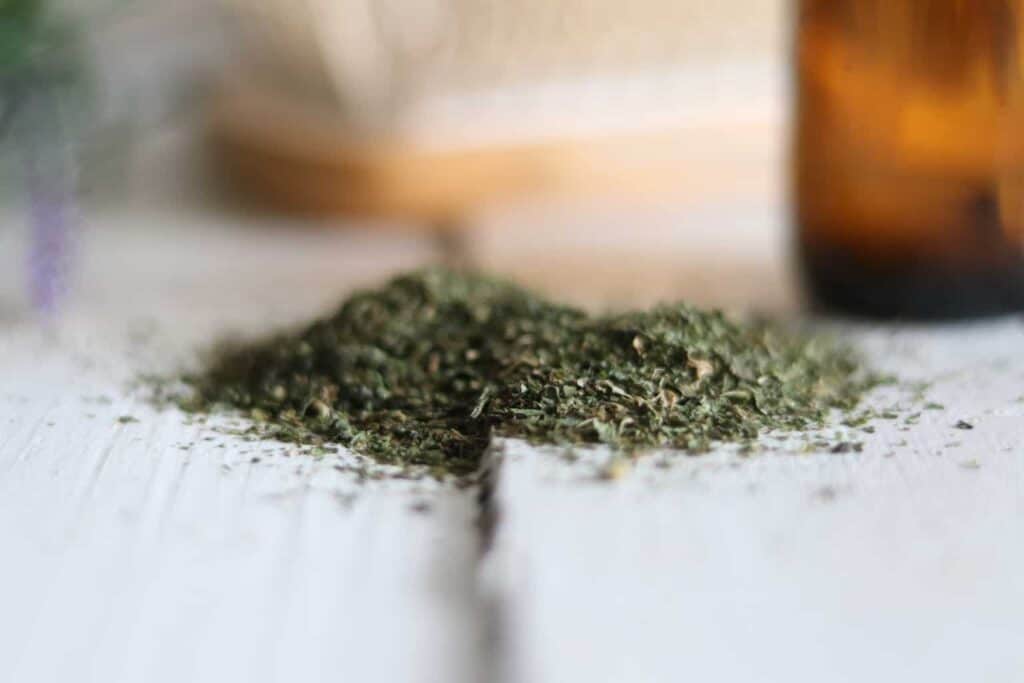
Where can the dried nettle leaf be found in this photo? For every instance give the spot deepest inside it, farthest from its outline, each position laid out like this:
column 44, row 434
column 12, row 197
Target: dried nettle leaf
column 423, row 370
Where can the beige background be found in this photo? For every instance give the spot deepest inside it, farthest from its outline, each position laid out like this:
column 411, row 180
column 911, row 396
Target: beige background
column 154, row 61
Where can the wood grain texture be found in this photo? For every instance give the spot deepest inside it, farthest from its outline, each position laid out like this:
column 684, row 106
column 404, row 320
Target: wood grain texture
column 687, row 132
column 143, row 551
column 903, row 562
column 151, row 549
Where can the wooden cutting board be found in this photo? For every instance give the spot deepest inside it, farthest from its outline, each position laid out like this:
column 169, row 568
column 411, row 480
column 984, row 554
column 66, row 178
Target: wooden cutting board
column 296, row 158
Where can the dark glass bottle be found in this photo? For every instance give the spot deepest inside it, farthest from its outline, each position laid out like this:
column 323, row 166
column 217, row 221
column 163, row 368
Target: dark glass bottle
column 909, row 156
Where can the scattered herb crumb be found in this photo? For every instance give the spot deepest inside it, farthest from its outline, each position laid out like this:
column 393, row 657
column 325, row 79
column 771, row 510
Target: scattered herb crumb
column 616, row 468
column 963, row 424
column 971, row 465
column 421, row 507
column 126, row 419
column 827, row 493
column 920, row 389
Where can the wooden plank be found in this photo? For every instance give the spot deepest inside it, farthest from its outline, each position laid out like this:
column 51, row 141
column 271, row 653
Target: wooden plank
column 904, row 562
column 688, row 131
column 157, row 550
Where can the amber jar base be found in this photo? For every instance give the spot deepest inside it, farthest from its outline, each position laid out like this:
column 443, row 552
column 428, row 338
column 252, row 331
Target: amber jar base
column 837, row 282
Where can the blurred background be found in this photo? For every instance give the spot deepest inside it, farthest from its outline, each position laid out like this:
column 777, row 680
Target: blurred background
column 612, row 153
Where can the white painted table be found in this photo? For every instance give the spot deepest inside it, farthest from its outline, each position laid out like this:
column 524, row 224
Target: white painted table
column 156, row 550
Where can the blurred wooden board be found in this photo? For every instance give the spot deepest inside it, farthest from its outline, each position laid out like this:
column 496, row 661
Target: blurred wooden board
column 294, row 157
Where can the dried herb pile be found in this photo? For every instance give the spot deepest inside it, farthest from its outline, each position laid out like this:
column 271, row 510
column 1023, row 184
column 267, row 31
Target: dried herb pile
column 423, row 370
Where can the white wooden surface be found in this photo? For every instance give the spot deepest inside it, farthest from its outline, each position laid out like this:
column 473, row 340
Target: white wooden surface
column 124, row 557
column 901, row 563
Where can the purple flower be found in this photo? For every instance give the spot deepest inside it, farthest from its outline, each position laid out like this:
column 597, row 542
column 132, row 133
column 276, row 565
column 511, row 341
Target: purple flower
column 50, row 188
column 49, row 214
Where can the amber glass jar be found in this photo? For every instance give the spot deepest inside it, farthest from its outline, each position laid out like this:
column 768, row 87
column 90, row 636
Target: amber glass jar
column 909, row 155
